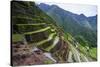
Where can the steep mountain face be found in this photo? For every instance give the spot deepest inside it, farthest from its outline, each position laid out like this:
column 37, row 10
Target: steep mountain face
column 77, row 25
column 38, row 39
column 93, row 22
column 82, row 19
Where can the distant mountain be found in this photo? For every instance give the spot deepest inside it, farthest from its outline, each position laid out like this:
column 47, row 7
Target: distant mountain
column 81, row 19
column 45, row 7
column 73, row 23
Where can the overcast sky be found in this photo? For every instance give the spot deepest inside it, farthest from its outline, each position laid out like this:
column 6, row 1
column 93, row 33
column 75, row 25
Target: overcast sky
column 87, row 10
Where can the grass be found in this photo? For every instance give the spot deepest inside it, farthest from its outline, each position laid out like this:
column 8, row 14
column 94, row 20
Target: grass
column 48, row 62
column 17, row 37
column 83, row 49
column 93, row 53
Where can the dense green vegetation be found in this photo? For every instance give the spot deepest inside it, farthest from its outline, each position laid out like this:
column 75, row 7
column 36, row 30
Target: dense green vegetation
column 93, row 53
column 17, row 37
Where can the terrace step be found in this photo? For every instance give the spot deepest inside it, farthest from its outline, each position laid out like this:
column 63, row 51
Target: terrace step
column 43, row 41
column 35, row 24
column 38, row 31
column 56, row 40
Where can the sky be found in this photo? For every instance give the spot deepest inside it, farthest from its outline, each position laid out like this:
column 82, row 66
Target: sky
column 87, row 10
